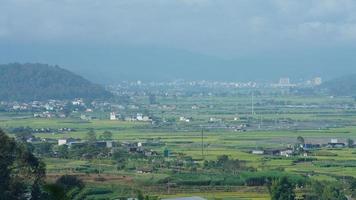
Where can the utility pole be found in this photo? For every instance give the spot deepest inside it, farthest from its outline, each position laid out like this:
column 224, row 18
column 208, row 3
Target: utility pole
column 252, row 105
column 237, row 103
column 202, row 143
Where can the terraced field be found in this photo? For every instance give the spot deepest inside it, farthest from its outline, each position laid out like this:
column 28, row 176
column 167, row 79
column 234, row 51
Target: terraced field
column 273, row 125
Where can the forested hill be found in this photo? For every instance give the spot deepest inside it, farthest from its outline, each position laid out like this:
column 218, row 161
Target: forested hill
column 25, row 82
column 343, row 86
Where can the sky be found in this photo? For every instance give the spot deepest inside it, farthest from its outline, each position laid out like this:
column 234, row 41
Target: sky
column 281, row 37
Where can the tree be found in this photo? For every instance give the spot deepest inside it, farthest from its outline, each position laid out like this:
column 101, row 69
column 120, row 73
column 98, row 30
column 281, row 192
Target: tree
column 222, row 160
column 66, row 187
column 120, row 156
column 332, row 192
column 282, row 189
column 43, row 148
column 233, row 166
column 91, row 135
column 22, row 133
column 63, row 151
column 21, row 173
column 140, row 195
column 350, row 143
column 68, row 182
column 300, row 140
column 107, row 135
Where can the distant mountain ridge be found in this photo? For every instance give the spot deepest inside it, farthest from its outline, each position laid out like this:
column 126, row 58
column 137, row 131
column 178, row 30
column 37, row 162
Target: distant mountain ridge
column 342, row 86
column 111, row 64
column 34, row 81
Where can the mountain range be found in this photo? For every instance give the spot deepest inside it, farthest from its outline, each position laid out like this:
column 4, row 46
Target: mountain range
column 341, row 86
column 112, row 64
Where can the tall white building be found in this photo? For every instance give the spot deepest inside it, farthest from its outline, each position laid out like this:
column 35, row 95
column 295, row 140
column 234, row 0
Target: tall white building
column 284, row 81
column 317, row 81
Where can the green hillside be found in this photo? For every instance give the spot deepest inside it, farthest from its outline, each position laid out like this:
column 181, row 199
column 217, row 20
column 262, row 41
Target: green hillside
column 25, row 82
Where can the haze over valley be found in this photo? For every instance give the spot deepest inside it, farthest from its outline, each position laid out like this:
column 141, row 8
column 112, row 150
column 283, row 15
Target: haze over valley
column 178, row 100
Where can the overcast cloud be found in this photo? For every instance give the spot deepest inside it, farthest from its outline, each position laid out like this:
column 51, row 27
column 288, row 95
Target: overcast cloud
column 233, row 27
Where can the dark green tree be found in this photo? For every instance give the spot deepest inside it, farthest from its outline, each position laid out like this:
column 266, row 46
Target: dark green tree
column 66, row 187
column 140, row 196
column 21, row 173
column 91, row 135
column 332, row 192
column 63, row 151
column 121, row 157
column 282, row 189
column 300, row 140
column 221, row 160
column 350, row 143
column 43, row 148
column 107, row 135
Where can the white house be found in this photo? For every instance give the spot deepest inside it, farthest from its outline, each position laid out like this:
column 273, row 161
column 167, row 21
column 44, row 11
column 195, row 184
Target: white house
column 334, row 141
column 113, row 116
column 146, row 118
column 286, row 153
column 65, row 141
column 62, row 142
column 139, row 117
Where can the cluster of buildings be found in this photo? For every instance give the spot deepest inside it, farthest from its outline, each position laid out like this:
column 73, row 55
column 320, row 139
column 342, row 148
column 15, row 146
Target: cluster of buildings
column 34, row 106
column 286, row 82
column 185, row 119
column 71, row 142
column 304, row 149
column 131, row 147
column 138, row 117
column 43, row 109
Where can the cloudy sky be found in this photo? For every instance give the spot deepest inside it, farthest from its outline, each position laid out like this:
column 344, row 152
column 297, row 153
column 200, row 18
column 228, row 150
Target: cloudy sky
column 225, row 29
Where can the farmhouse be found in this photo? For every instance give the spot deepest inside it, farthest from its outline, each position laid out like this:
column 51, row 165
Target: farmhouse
column 107, row 144
column 258, row 152
column 76, row 144
column 310, row 146
column 113, row 116
column 65, row 141
column 334, row 143
column 272, row 152
column 144, row 171
column 286, row 152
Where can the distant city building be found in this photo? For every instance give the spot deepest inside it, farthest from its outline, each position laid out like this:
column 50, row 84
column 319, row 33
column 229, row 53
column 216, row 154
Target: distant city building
column 284, row 81
column 317, row 81
column 78, row 102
